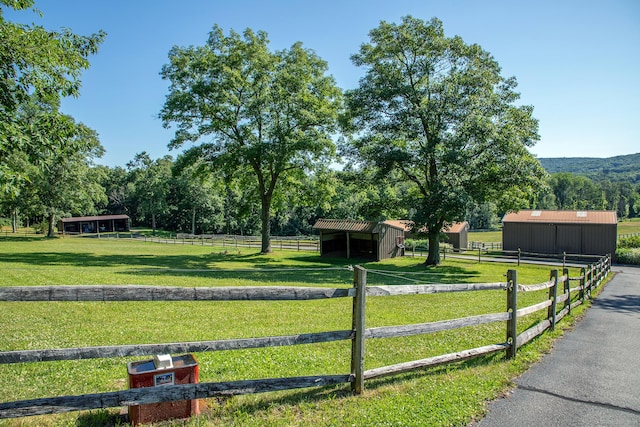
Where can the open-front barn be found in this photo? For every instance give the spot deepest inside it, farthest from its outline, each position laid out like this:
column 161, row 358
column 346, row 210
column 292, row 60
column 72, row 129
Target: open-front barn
column 94, row 224
column 373, row 240
column 557, row 232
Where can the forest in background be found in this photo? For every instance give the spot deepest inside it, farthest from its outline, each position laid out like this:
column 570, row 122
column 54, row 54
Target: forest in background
column 180, row 197
column 616, row 169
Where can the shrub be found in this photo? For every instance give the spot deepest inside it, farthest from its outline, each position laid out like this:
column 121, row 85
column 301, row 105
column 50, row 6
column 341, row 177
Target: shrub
column 416, row 244
column 628, row 256
column 42, row 227
column 629, row 242
column 5, row 222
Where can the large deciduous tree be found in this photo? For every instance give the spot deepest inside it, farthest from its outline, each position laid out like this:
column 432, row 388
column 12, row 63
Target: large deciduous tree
column 270, row 113
column 437, row 110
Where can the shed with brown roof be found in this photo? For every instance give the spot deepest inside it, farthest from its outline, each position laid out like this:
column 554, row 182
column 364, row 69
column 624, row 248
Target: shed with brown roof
column 557, row 232
column 94, row 224
column 457, row 233
column 372, row 240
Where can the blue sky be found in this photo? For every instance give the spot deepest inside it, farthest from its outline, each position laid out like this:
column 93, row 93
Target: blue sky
column 576, row 62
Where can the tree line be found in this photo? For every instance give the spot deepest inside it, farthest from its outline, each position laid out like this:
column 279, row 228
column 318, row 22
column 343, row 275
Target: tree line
column 433, row 133
column 174, row 195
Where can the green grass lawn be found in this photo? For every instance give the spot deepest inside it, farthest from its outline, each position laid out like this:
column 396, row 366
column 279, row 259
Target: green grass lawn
column 451, row 395
column 485, row 236
column 629, row 226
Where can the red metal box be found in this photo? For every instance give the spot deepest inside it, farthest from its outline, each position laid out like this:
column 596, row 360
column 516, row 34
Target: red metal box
column 144, row 374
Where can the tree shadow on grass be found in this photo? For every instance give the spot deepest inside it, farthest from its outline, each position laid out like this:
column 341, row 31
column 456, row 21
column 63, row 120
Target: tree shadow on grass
column 86, row 259
column 253, row 267
column 13, row 239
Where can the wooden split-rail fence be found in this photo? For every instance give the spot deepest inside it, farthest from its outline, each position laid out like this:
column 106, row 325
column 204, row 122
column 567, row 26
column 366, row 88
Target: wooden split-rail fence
column 561, row 294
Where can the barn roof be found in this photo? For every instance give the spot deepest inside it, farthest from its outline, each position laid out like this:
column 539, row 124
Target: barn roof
column 455, row 227
column 407, row 225
column 353, row 225
column 94, row 218
column 404, row 224
column 562, row 217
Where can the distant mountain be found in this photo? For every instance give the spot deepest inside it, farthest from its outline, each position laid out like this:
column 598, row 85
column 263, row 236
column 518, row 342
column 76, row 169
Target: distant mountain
column 618, row 168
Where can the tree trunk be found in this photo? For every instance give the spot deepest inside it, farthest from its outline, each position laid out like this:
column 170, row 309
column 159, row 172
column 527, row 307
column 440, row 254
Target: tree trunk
column 153, row 223
column 193, row 221
column 434, row 247
column 265, row 217
column 14, row 220
column 51, row 221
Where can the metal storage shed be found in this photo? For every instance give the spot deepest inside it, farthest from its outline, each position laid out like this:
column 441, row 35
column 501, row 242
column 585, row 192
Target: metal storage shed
column 360, row 239
column 555, row 232
column 93, row 224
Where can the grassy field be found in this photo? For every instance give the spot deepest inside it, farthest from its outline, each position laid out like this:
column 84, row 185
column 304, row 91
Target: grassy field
column 485, row 236
column 451, row 395
column 629, row 226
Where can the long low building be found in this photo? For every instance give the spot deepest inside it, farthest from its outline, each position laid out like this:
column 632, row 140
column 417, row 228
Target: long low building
column 555, row 232
column 374, row 240
column 94, row 224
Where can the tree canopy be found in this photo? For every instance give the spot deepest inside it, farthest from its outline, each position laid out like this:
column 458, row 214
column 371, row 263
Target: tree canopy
column 438, row 111
column 35, row 63
column 433, row 134
column 271, row 114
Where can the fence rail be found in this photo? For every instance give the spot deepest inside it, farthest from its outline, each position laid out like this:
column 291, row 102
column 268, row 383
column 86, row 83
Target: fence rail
column 590, row 277
column 626, row 235
column 300, row 243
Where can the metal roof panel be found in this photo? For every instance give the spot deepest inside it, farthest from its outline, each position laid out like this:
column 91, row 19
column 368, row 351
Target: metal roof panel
column 94, row 218
column 563, row 217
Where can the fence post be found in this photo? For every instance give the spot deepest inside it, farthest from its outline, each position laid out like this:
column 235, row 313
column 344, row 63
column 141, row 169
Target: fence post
column 583, row 277
column 479, row 250
column 567, row 290
column 553, row 294
column 519, row 255
column 587, row 290
column 512, row 307
column 357, row 343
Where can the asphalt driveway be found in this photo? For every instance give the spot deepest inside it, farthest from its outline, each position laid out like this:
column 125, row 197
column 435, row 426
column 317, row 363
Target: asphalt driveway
column 592, row 375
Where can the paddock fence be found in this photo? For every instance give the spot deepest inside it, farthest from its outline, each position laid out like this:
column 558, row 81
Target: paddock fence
column 627, row 235
column 564, row 294
column 230, row 241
